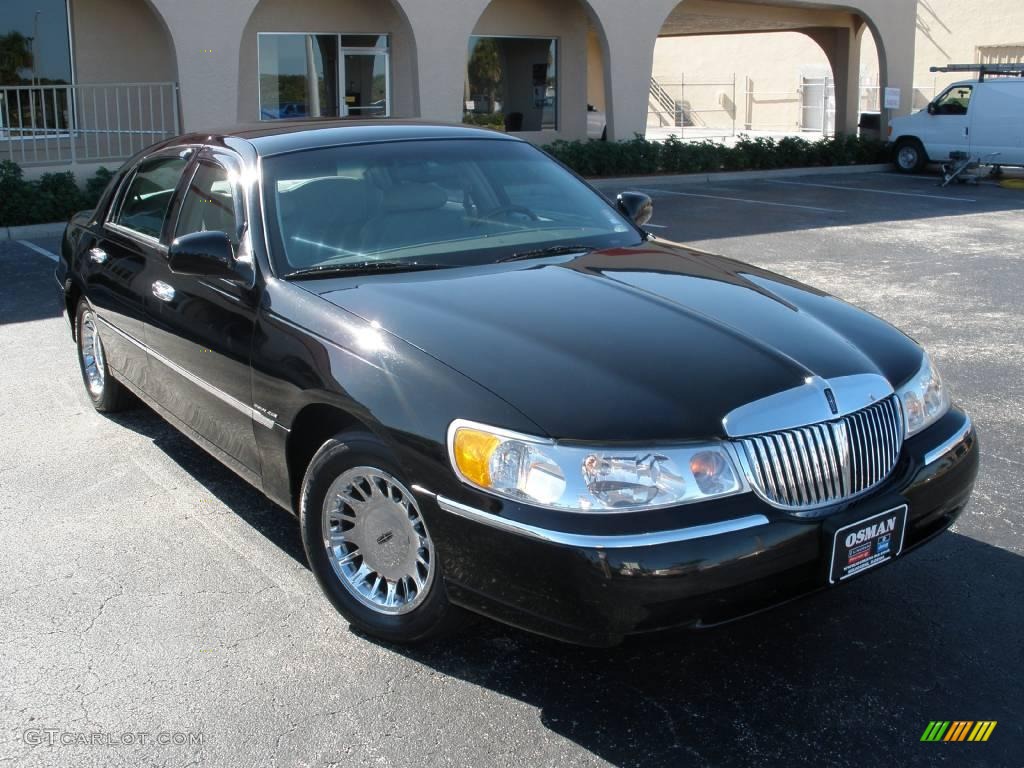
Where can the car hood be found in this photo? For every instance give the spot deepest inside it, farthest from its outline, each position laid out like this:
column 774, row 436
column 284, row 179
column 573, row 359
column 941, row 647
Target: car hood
column 654, row 342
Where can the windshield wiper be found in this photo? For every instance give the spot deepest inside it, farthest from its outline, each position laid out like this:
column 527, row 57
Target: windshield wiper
column 361, row 268
column 554, row 250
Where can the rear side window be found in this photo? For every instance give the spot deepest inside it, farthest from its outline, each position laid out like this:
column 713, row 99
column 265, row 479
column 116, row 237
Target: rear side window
column 145, row 202
column 208, row 204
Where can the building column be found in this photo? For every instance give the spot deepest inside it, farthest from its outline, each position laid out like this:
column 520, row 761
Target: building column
column 842, row 47
column 208, row 55
column 630, row 30
column 896, row 41
column 442, row 41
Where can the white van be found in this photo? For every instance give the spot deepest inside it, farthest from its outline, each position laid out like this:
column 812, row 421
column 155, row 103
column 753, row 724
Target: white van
column 980, row 117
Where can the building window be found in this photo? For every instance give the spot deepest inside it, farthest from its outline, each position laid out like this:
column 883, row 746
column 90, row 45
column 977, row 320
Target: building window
column 1000, row 54
column 512, row 83
column 35, row 46
column 323, row 75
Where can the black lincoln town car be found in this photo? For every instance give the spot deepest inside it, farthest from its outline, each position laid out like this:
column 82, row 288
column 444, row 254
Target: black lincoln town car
column 483, row 387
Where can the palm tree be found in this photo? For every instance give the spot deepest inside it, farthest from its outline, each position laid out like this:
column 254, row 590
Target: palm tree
column 15, row 55
column 485, row 73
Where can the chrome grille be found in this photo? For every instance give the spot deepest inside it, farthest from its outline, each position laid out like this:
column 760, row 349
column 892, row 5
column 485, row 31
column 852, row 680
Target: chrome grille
column 825, row 463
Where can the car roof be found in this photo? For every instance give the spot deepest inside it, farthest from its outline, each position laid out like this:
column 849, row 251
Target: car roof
column 280, row 136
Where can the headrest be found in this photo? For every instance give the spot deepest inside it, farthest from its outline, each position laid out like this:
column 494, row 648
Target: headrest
column 414, row 197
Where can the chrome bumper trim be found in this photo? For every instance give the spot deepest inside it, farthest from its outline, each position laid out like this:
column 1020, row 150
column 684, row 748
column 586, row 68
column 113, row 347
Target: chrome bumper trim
column 949, row 443
column 588, row 541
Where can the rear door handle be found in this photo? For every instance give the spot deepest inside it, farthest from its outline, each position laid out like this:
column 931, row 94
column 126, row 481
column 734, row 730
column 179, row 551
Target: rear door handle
column 97, row 256
column 163, row 291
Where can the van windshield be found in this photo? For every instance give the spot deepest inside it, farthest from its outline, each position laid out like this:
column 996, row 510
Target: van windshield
column 444, row 202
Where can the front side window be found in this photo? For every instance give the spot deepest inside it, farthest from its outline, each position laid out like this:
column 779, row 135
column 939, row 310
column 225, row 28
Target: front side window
column 444, row 203
column 512, row 83
column 145, row 202
column 208, row 204
column 323, row 75
column 955, row 101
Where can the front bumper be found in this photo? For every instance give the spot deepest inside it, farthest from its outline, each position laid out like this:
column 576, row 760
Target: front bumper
column 593, row 580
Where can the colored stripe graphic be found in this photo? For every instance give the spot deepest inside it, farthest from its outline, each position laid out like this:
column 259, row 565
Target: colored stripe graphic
column 935, row 730
column 958, row 730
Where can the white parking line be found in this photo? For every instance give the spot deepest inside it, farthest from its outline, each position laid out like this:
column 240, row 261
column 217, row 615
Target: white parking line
column 873, row 191
column 740, row 200
column 656, row 226
column 40, row 251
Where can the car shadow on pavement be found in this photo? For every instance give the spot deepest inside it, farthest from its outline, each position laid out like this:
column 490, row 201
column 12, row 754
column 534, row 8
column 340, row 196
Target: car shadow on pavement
column 845, row 673
column 274, row 523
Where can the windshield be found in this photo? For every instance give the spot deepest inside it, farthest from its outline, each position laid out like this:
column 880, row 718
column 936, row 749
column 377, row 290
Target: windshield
column 439, row 202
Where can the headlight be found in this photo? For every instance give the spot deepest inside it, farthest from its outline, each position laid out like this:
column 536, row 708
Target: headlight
column 578, row 478
column 924, row 398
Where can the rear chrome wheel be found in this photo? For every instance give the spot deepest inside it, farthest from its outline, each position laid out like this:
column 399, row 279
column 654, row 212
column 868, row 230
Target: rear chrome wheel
column 377, row 542
column 106, row 393
column 94, row 366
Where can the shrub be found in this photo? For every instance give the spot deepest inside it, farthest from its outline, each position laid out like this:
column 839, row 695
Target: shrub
column 639, row 156
column 53, row 197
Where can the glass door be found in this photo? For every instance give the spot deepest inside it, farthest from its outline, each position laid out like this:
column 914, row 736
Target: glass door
column 366, row 75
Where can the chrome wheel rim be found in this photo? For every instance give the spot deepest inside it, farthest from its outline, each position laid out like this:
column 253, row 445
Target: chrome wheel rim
column 377, row 542
column 907, row 157
column 93, row 362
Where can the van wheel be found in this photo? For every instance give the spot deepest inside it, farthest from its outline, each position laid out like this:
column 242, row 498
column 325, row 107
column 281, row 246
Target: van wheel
column 910, row 156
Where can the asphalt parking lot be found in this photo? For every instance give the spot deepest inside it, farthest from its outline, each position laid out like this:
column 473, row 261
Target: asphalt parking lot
column 145, row 590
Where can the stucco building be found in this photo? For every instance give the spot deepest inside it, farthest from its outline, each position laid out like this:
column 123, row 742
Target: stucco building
column 780, row 74
column 105, row 76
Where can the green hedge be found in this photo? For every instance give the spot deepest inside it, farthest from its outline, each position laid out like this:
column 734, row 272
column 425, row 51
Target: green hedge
column 639, row 157
column 53, row 197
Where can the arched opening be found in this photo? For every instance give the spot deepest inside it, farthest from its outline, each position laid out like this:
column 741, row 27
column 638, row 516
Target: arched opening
column 144, row 45
column 538, row 68
column 723, row 68
column 327, row 58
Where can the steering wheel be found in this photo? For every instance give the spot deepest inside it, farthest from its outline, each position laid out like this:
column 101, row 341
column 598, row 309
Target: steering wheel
column 501, row 210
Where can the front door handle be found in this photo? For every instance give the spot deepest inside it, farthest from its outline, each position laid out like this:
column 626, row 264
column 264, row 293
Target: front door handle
column 97, row 256
column 163, row 291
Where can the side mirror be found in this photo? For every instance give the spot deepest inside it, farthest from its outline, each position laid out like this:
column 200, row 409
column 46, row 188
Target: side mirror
column 637, row 206
column 932, row 109
column 203, row 254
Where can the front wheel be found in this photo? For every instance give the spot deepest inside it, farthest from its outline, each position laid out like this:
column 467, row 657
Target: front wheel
column 368, row 545
column 910, row 156
column 106, row 393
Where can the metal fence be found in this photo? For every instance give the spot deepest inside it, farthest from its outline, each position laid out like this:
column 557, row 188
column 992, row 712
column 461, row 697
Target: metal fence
column 84, row 123
column 726, row 106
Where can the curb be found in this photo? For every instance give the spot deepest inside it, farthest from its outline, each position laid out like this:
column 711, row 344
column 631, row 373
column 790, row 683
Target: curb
column 33, row 231
column 711, row 178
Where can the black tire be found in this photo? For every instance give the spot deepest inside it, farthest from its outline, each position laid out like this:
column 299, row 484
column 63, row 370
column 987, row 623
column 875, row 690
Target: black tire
column 107, row 394
column 434, row 615
column 910, row 156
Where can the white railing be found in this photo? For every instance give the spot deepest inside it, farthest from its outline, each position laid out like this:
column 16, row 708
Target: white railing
column 84, row 123
column 723, row 107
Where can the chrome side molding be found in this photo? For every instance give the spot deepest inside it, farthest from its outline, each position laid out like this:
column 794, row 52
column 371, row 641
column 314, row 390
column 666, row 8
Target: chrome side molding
column 592, row 541
column 260, row 418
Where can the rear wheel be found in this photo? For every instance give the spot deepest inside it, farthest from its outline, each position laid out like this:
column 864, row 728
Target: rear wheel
column 107, row 393
column 910, row 156
column 368, row 545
